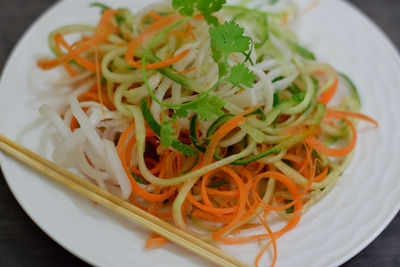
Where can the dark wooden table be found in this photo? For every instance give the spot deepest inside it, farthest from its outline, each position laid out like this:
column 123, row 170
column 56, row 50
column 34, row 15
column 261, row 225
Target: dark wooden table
column 22, row 243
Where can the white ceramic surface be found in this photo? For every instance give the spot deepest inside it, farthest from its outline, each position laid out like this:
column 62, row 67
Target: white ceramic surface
column 366, row 198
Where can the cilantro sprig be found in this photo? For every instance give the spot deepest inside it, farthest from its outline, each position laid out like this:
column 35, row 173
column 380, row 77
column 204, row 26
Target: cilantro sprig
column 205, row 7
column 167, row 132
column 206, row 106
column 241, row 76
column 226, row 39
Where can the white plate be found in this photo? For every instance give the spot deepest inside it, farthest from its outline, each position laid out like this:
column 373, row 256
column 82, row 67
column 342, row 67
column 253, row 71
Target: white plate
column 365, row 200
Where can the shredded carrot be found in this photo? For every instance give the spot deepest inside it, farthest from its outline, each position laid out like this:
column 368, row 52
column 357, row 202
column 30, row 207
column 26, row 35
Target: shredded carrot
column 190, row 30
column 135, row 43
column 223, row 131
column 67, row 66
column 227, row 199
column 98, row 80
column 241, row 206
column 74, row 124
column 306, row 160
column 243, row 239
column 155, row 241
column 154, row 15
column 298, row 160
column 300, row 129
column 333, row 152
column 105, row 19
column 58, row 38
column 135, row 187
column 212, row 218
column 246, row 226
column 103, row 30
column 211, row 210
column 284, row 180
column 165, row 62
column 312, row 6
column 187, row 71
column 326, row 96
column 322, row 175
column 341, row 114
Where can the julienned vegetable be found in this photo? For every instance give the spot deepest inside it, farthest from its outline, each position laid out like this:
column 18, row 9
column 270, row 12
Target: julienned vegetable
column 211, row 117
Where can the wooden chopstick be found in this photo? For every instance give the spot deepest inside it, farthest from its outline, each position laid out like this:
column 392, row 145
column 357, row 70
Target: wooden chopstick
column 117, row 204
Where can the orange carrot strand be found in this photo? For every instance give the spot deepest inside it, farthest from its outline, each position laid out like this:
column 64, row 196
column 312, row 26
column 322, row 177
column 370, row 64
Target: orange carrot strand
column 326, row 96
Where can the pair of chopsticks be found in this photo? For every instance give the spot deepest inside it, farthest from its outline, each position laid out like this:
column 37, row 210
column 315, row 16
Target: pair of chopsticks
column 117, row 204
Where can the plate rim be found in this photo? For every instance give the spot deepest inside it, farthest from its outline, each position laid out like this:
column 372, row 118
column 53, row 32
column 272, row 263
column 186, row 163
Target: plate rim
column 3, row 158
column 396, row 52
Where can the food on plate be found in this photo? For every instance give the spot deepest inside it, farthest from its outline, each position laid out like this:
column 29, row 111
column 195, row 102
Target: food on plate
column 210, row 116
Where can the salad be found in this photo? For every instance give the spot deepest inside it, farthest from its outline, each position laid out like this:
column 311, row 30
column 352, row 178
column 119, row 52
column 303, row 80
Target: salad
column 210, row 116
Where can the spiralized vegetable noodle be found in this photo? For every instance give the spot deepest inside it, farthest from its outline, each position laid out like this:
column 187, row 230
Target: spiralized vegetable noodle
column 210, row 116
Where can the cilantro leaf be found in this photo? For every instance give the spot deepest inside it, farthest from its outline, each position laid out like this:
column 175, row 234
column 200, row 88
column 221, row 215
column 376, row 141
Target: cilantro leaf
column 207, row 107
column 218, row 183
column 228, row 38
column 223, row 67
column 241, row 76
column 182, row 112
column 208, row 7
column 211, row 108
column 166, row 134
column 185, row 7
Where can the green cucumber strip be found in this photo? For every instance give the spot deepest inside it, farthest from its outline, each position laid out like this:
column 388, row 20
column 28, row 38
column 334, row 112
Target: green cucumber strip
column 294, row 89
column 352, row 87
column 258, row 112
column 256, row 11
column 66, row 30
column 119, row 18
column 278, row 79
column 276, row 149
column 184, row 149
column 177, row 77
column 221, row 120
column 282, row 106
column 193, row 135
column 148, row 117
column 321, row 109
column 194, row 164
column 243, row 142
column 253, row 158
column 294, row 99
column 291, row 208
column 330, row 141
column 218, row 183
column 298, row 49
column 276, row 99
column 266, row 36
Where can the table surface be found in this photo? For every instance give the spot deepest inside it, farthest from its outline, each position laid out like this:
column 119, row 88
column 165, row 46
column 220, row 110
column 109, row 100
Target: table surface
column 22, row 243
